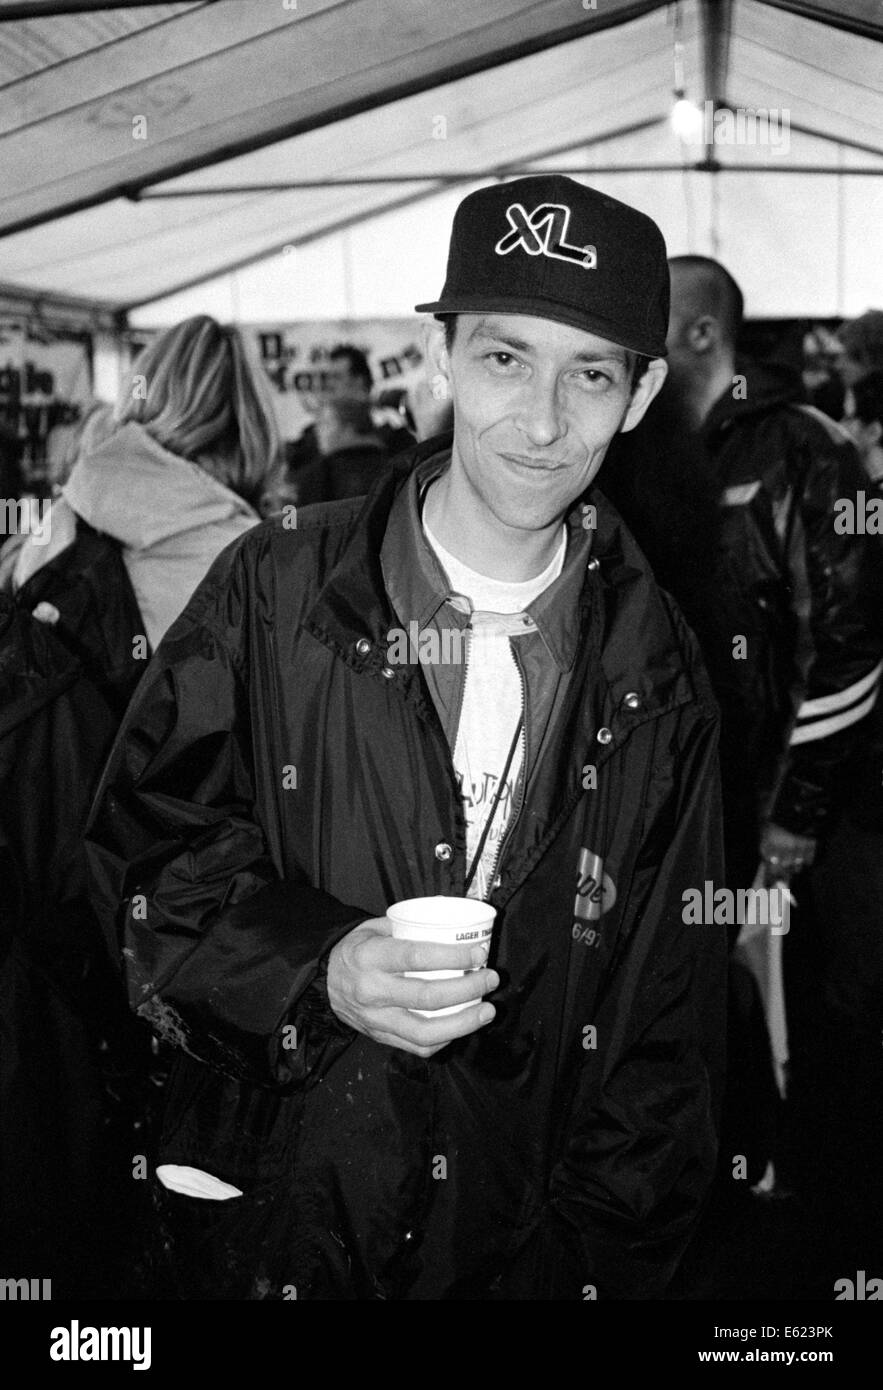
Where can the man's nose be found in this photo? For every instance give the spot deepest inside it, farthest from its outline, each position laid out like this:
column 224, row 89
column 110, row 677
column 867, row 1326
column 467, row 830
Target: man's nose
column 541, row 417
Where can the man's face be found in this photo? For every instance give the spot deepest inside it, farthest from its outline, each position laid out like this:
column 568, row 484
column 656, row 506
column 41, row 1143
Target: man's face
column 344, row 385
column 536, row 404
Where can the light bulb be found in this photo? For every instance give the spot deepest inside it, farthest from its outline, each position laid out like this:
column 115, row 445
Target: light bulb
column 686, row 121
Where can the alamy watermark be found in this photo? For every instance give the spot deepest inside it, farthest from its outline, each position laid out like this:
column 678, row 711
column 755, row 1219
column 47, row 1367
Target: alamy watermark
column 26, row 516
column 764, row 907
column 76, row 1343
column 25, row 1290
column 743, row 125
column 861, row 515
column 436, row 647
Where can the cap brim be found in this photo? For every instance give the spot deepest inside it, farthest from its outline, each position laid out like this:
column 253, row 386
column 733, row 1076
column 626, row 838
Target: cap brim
column 547, row 309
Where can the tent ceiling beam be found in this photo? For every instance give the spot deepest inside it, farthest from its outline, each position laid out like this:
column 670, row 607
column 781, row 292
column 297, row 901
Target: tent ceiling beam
column 354, row 219
column 715, row 28
column 707, row 166
column 51, row 9
column 817, row 134
column 16, row 299
column 441, row 179
column 830, row 15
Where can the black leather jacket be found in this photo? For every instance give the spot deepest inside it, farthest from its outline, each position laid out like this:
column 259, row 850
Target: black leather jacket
column 793, row 643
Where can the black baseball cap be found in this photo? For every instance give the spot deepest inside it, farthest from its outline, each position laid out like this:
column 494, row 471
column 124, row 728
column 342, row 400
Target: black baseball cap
column 553, row 248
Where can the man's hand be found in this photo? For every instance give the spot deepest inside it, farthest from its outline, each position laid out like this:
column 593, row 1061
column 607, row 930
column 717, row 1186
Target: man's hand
column 367, row 988
column 785, row 853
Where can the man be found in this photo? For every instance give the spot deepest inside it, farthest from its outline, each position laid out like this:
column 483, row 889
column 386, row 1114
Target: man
column 793, row 649
column 350, row 384
column 863, row 422
column 795, row 657
column 861, row 343
column 351, row 374
column 352, row 381
column 351, row 455
column 283, row 778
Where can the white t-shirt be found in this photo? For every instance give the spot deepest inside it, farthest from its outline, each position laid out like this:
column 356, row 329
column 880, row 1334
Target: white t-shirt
column 493, row 699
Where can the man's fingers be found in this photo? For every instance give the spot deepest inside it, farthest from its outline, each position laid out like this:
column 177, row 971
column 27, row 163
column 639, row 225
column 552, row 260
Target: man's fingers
column 414, row 1033
column 378, row 990
column 390, row 954
column 369, row 990
column 409, row 993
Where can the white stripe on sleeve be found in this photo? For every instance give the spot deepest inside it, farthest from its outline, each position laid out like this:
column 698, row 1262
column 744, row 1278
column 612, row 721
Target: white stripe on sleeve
column 829, row 704
column 822, row 728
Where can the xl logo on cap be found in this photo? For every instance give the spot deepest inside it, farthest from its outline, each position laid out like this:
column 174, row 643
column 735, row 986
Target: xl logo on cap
column 552, row 220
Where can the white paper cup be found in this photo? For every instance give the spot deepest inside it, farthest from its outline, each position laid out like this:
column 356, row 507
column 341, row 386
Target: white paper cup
column 449, row 921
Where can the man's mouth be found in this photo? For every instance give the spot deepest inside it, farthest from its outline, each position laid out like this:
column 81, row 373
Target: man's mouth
column 535, row 465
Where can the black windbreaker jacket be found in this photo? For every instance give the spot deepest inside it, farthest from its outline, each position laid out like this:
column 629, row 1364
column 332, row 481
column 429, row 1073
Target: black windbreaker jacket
column 578, row 1129
column 58, row 991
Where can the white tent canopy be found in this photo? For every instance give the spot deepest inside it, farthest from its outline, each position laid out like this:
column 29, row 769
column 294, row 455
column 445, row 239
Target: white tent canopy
column 138, row 143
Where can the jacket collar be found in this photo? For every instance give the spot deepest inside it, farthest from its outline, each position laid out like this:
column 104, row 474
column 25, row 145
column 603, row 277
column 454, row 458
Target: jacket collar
column 765, row 386
column 634, row 645
column 418, row 587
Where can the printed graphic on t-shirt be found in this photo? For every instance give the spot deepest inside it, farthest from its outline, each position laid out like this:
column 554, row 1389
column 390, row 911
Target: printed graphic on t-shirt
column 478, row 795
column 478, row 798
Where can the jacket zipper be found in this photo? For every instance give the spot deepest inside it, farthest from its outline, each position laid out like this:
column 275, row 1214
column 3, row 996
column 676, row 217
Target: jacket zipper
column 522, row 780
column 461, row 687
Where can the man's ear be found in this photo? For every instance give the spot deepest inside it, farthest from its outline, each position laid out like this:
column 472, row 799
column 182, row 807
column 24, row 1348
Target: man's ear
column 437, row 364
column 647, row 389
column 703, row 334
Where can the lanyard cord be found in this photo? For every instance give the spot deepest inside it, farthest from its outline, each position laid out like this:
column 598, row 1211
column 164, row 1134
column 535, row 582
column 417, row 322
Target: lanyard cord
column 476, row 858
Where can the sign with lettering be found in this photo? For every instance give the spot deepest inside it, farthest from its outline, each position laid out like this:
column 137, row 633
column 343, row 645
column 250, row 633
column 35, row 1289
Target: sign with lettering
column 296, row 359
column 45, row 380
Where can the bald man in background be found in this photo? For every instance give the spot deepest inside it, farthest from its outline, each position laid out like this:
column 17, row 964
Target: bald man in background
column 793, row 649
column 796, row 691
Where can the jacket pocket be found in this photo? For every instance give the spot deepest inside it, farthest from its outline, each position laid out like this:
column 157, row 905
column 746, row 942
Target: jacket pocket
column 238, row 1132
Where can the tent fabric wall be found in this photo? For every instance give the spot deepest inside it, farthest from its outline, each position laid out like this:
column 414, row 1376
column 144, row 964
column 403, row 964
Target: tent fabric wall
column 514, row 112
column 209, row 79
column 235, row 95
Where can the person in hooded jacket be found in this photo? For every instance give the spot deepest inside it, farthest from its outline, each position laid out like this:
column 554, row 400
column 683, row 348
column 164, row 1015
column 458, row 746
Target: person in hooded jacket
column 150, row 502
column 146, row 510
column 291, row 766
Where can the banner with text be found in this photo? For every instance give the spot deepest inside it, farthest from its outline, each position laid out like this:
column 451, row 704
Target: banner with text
column 295, row 357
column 44, row 381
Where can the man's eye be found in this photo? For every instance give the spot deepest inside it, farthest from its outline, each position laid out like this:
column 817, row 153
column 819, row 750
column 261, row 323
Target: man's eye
column 594, row 377
column 501, row 359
